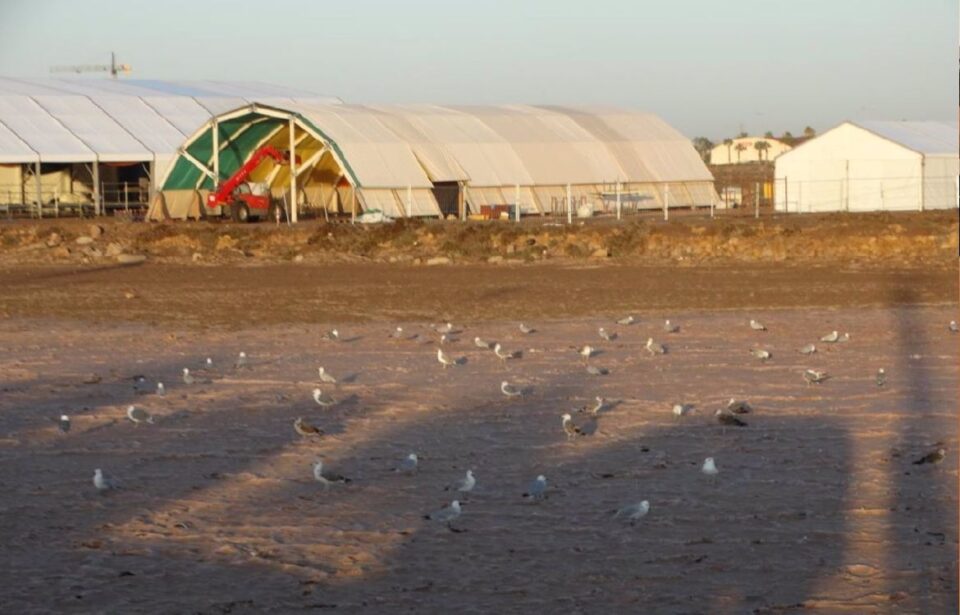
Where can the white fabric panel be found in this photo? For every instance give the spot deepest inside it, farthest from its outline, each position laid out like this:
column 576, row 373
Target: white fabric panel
column 382, row 199
column 95, row 128
column 940, row 178
column 45, row 135
column 137, row 118
column 922, row 137
column 186, row 114
column 216, row 105
column 432, row 156
column 13, row 149
column 24, row 87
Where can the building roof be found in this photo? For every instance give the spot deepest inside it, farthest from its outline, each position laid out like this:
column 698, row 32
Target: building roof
column 931, row 138
column 129, row 120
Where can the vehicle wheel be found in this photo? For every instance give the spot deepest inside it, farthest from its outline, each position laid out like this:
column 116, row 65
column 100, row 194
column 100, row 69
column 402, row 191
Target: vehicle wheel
column 240, row 212
column 272, row 212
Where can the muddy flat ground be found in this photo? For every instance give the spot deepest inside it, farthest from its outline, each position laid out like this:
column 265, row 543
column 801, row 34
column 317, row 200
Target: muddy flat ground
column 817, row 508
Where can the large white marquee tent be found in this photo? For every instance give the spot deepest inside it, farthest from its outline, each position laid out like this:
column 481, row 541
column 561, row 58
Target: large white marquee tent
column 65, row 139
column 872, row 166
column 429, row 160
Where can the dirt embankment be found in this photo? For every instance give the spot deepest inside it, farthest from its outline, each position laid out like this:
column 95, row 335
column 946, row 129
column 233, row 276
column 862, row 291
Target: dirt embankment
column 882, row 239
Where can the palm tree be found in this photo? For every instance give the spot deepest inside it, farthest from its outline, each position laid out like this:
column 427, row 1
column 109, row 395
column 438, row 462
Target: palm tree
column 768, row 134
column 703, row 146
column 761, row 147
column 809, row 132
column 729, row 144
column 740, row 147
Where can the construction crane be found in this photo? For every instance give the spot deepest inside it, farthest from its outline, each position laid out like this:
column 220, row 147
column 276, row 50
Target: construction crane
column 113, row 68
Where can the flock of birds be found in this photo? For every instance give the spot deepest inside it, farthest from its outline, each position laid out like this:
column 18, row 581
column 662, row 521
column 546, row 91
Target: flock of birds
column 730, row 415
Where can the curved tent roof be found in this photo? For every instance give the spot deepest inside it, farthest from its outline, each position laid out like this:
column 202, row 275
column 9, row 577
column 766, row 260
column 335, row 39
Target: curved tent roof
column 82, row 120
column 415, row 146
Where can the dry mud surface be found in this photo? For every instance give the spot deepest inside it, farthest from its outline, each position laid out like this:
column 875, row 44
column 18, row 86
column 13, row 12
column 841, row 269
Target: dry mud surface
column 817, row 507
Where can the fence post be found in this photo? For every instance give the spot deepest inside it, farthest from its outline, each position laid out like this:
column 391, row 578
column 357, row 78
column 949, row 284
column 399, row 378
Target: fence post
column 97, row 188
column 126, row 198
column 786, row 196
column 666, row 202
column 756, row 200
column 923, row 171
column 39, row 191
column 569, row 205
column 353, row 205
column 713, row 198
column 618, row 201
column 516, row 202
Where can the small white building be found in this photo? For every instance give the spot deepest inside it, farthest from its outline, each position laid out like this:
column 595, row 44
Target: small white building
column 872, row 166
column 743, row 149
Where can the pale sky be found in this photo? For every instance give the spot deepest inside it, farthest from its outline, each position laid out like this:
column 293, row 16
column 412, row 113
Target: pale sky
column 709, row 67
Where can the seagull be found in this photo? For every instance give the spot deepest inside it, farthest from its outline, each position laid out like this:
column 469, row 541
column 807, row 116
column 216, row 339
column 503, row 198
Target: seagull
column 655, row 348
column 682, row 409
column 331, row 336
column 831, row 337
column 586, row 352
column 760, row 353
column 161, row 390
column 934, row 457
column 444, row 359
column 569, row 428
column 626, row 321
column 739, row 406
column 103, row 483
column 446, row 339
column 187, row 377
column 709, row 467
column 324, row 400
column 813, row 376
column 445, row 514
column 953, row 327
column 241, row 360
column 326, row 478
column 447, row 328
column 208, row 363
column 727, row 418
column 503, row 356
column 633, row 512
column 670, row 328
column 599, row 406
column 593, row 370
column 756, row 326
column 526, row 330
column 809, row 349
column 397, row 333
column 881, row 377
column 306, row 429
column 464, row 485
column 409, row 464
column 326, row 377
column 509, row 390
column 64, row 423
column 537, row 488
column 844, row 338
column 479, row 343
column 605, row 335
column 139, row 415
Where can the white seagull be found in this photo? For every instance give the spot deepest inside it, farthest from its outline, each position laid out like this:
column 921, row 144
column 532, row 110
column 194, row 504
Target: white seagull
column 325, row 376
column 445, row 514
column 103, row 483
column 739, row 407
column 633, row 512
column 479, row 343
column 537, row 489
column 831, row 337
column 409, row 464
column 64, row 423
column 447, row 328
column 187, row 376
column 569, row 428
column 326, row 478
column 709, row 467
column 509, row 390
column 161, row 390
column 526, row 330
column 668, row 327
column 139, row 415
column 626, row 321
column 586, row 352
column 464, row 485
column 813, row 376
column 397, row 333
column 241, row 360
column 331, row 336
column 323, row 399
column 954, row 328
column 756, row 326
column 761, row 354
column 881, row 377
column 501, row 354
column 599, row 406
column 683, row 409
column 654, row 348
column 444, row 360
column 809, row 349
column 593, row 370
column 605, row 335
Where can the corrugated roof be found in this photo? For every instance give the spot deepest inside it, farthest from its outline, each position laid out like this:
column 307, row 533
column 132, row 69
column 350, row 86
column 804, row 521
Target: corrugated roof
column 932, row 138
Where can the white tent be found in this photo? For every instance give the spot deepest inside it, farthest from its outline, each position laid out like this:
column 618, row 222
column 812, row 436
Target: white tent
column 402, row 160
column 872, row 166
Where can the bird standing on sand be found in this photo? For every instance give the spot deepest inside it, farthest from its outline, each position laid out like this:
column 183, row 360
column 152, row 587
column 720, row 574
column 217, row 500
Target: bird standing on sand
column 813, row 376
column 881, row 377
column 139, row 415
column 509, row 390
column 729, row 419
column 626, row 321
column 103, row 483
column 187, row 376
column 444, row 360
column 64, row 424
column 161, row 390
column 526, row 330
column 445, row 514
column 326, row 477
column 501, row 353
column 709, row 467
column 593, row 370
column 331, row 336
column 464, row 485
column 479, row 343
column 633, row 512
column 537, row 489
column 670, row 328
column 739, row 406
column 586, row 352
column 757, row 326
column 606, row 335
column 599, row 406
column 809, row 349
column 954, row 328
column 934, row 457
column 569, row 428
column 241, row 361
column 409, row 464
column 682, row 409
column 323, row 399
column 305, row 429
column 830, row 338
column 326, row 376
column 655, row 348
column 761, row 354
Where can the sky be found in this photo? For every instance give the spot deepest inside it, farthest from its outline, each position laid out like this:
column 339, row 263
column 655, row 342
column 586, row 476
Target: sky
column 709, row 67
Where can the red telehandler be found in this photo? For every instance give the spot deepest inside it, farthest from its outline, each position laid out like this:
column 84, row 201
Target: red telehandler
column 241, row 199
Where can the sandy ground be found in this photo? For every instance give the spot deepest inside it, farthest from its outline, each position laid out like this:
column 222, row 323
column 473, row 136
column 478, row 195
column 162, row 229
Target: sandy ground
column 817, row 507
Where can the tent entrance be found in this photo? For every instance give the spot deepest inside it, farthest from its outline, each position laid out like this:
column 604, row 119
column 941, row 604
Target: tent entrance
column 447, row 195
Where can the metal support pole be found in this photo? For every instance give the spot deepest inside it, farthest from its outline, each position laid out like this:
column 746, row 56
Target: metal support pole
column 516, row 202
column 666, row 202
column 786, row 196
column 353, row 205
column 846, row 186
column 151, row 182
column 569, row 205
column 756, row 200
column 126, row 197
column 618, row 200
column 923, row 170
column 216, row 153
column 461, row 201
column 39, row 191
column 409, row 200
column 293, row 215
column 713, row 198
column 96, row 187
